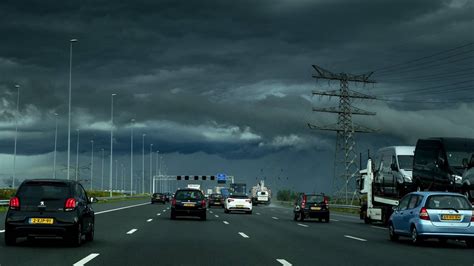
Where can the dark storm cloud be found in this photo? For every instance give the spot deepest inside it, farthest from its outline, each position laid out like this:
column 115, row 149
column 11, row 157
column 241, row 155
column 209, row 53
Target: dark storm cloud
column 235, row 68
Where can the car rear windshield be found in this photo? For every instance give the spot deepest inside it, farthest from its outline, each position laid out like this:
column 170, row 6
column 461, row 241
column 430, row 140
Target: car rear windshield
column 447, row 202
column 43, row 191
column 314, row 198
column 189, row 195
column 237, row 196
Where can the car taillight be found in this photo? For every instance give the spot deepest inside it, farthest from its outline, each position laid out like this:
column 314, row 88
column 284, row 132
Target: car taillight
column 303, row 203
column 14, row 203
column 203, row 203
column 230, row 200
column 326, row 200
column 173, row 202
column 472, row 217
column 424, row 214
column 70, row 204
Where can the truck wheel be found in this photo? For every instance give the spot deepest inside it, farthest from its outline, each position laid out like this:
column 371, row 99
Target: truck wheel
column 391, row 233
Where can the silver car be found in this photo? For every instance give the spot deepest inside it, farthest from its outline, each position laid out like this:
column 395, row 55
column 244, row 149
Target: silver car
column 441, row 215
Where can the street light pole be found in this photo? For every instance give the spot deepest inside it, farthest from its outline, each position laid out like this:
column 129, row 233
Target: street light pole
column 111, row 141
column 123, row 177
column 102, row 183
column 16, row 132
column 156, row 171
column 116, row 175
column 131, row 159
column 92, row 162
column 77, row 154
column 55, row 145
column 151, row 166
column 143, row 163
column 69, row 113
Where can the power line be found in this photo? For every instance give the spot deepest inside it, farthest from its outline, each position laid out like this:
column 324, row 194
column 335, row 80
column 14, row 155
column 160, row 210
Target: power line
column 461, row 73
column 429, row 89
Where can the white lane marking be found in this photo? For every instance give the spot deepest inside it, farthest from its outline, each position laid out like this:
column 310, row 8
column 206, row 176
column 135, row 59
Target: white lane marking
column 217, row 216
column 243, row 235
column 225, row 222
column 164, row 210
column 86, row 259
column 355, row 238
column 132, row 231
column 158, row 214
column 284, row 262
column 122, row 208
column 149, row 220
column 334, row 220
column 168, row 208
column 210, row 212
column 258, row 213
column 378, row 227
column 275, row 218
column 2, row 231
column 304, row 225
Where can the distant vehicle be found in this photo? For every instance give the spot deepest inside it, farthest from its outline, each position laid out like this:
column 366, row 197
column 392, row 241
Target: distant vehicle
column 188, row 202
column 440, row 163
column 158, row 197
column 441, row 215
column 238, row 188
column 194, row 186
column 168, row 196
column 311, row 206
column 50, row 208
column 260, row 194
column 216, row 200
column 393, row 173
column 238, row 202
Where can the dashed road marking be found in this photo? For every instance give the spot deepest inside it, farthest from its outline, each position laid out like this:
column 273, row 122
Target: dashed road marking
column 378, row 227
column 164, row 210
column 258, row 213
column 86, row 259
column 355, row 238
column 284, row 262
column 158, row 214
column 217, row 216
column 243, row 235
column 132, row 231
column 2, row 231
column 210, row 212
column 304, row 225
column 334, row 220
column 225, row 222
column 122, row 208
column 275, row 218
column 149, row 220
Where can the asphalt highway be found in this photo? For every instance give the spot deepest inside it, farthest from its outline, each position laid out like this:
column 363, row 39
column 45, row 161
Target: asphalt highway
column 139, row 233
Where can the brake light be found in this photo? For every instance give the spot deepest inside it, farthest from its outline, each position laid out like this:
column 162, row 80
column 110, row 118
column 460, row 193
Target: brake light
column 70, row 204
column 472, row 217
column 203, row 203
column 424, row 214
column 303, row 203
column 326, row 200
column 14, row 203
column 230, row 200
column 173, row 202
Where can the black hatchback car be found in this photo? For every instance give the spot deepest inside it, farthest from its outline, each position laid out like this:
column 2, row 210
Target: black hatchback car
column 311, row 206
column 188, row 202
column 216, row 200
column 158, row 197
column 50, row 208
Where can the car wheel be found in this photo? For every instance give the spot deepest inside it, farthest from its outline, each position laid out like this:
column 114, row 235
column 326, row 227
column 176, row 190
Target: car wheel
column 320, row 219
column 76, row 237
column 203, row 217
column 10, row 238
column 391, row 232
column 415, row 238
column 301, row 217
column 173, row 215
column 295, row 217
column 442, row 241
column 249, row 212
column 226, row 211
column 326, row 220
column 90, row 234
column 470, row 243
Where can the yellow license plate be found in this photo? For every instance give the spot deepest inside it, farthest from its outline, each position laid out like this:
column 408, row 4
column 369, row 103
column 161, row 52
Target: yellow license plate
column 41, row 221
column 315, row 208
column 188, row 204
column 451, row 217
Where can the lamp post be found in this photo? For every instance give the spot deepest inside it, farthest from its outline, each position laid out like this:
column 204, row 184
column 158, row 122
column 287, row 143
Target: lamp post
column 77, row 154
column 102, row 183
column 92, row 162
column 111, row 141
column 116, row 175
column 131, row 158
column 143, row 163
column 55, row 145
column 151, row 166
column 157, row 173
column 16, row 132
column 69, row 113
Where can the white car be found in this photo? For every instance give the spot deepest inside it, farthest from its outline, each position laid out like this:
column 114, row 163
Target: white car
column 238, row 203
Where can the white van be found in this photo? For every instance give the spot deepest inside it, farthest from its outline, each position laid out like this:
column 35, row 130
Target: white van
column 394, row 168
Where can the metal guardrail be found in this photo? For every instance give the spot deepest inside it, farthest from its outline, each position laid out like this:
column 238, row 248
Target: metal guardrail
column 6, row 202
column 344, row 206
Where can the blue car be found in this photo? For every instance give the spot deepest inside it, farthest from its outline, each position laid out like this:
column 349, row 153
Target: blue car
column 440, row 215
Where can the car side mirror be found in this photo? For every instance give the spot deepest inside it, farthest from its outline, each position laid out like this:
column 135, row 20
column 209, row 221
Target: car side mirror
column 394, row 167
column 93, row 200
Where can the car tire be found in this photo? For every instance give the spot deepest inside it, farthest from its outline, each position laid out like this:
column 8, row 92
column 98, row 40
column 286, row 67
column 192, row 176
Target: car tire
column 90, row 234
column 10, row 238
column 301, row 217
column 249, row 212
column 415, row 238
column 75, row 239
column 295, row 217
column 320, row 220
column 226, row 211
column 391, row 232
column 203, row 217
column 326, row 220
column 470, row 243
column 173, row 215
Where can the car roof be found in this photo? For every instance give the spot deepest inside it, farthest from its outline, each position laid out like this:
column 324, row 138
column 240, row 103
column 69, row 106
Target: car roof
column 49, row 180
column 431, row 193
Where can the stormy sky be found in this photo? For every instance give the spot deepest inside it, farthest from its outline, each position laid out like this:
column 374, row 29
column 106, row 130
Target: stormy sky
column 225, row 86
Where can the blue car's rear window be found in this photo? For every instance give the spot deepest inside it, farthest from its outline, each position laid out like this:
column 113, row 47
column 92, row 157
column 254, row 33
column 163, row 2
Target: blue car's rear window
column 447, row 202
